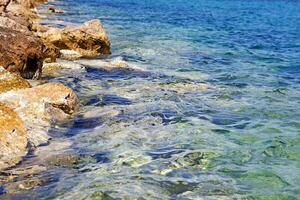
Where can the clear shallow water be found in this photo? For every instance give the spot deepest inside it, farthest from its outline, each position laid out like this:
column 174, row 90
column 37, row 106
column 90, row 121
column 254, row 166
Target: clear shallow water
column 151, row 134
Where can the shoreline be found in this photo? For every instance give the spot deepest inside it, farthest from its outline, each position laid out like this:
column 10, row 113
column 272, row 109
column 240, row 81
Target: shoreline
column 30, row 48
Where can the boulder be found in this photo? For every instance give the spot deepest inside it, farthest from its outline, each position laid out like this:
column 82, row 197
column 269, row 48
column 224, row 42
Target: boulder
column 24, row 21
column 21, row 8
column 51, row 52
column 3, row 5
column 51, row 103
column 21, row 53
column 9, row 81
column 53, row 36
column 13, row 142
column 89, row 39
column 12, row 24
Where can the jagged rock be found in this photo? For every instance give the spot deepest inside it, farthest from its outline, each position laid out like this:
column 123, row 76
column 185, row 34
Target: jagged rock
column 51, row 103
column 89, row 39
column 9, row 81
column 25, row 22
column 3, row 5
column 51, row 52
column 21, row 53
column 13, row 140
column 14, row 25
column 21, row 7
column 39, row 28
column 53, row 36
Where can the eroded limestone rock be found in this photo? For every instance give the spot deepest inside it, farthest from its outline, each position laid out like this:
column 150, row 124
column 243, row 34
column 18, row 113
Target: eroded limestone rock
column 9, row 81
column 13, row 142
column 41, row 106
column 89, row 39
column 13, row 24
column 21, row 53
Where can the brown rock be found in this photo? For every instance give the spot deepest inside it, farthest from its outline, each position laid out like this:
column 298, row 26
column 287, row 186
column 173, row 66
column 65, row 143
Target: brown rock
column 25, row 22
column 89, row 39
column 13, row 140
column 9, row 81
column 36, row 27
column 21, row 7
column 53, row 36
column 12, row 24
column 20, row 53
column 51, row 52
column 3, row 5
column 51, row 102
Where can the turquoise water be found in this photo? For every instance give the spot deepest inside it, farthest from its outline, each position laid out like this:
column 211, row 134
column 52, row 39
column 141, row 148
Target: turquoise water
column 152, row 135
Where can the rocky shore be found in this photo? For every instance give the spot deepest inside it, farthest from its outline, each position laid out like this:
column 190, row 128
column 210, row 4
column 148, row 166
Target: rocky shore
column 28, row 112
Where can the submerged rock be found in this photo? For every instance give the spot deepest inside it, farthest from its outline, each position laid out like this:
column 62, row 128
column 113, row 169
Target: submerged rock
column 99, row 195
column 110, row 65
column 63, row 160
column 26, row 184
column 53, row 69
column 182, row 87
column 51, row 102
column 20, row 53
column 9, row 81
column 89, row 39
column 13, row 142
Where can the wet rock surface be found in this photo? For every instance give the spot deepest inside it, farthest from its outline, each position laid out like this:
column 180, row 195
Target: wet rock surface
column 10, row 81
column 52, row 102
column 13, row 142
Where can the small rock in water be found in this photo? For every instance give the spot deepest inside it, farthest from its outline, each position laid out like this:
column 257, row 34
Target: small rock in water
column 198, row 159
column 63, row 160
column 26, row 184
column 53, row 69
column 70, row 54
column 110, row 65
column 99, row 196
column 53, row 9
column 182, row 87
column 133, row 159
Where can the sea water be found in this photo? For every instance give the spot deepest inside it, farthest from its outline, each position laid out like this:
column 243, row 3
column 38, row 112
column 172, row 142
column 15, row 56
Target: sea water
column 212, row 113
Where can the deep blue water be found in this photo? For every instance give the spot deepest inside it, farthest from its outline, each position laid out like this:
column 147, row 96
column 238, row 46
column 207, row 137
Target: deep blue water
column 240, row 139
